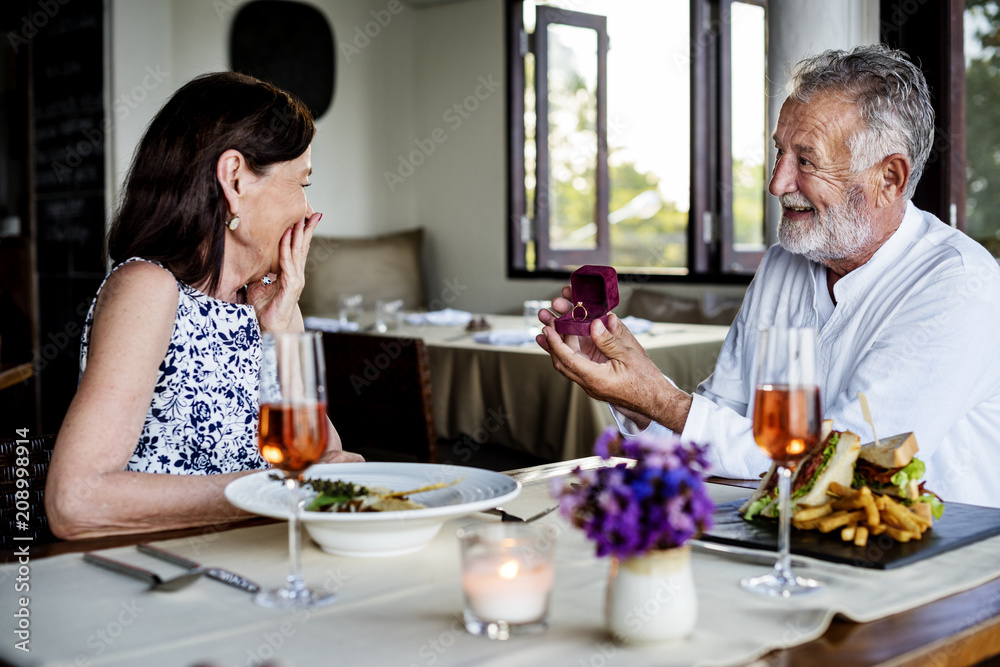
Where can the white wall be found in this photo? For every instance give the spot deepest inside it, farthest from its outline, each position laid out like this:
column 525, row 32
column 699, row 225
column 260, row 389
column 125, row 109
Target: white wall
column 372, row 112
column 461, row 188
column 397, row 89
column 792, row 35
column 140, row 49
column 391, row 90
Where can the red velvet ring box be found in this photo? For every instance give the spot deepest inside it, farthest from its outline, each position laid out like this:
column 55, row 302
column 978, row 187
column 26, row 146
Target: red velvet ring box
column 596, row 287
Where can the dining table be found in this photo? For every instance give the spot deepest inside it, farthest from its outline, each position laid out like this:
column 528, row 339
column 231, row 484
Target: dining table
column 407, row 610
column 498, row 387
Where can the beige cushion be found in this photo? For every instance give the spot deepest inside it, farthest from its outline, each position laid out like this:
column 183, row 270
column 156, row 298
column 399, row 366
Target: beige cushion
column 662, row 307
column 381, row 267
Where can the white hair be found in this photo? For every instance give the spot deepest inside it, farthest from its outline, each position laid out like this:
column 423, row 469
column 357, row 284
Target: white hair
column 892, row 97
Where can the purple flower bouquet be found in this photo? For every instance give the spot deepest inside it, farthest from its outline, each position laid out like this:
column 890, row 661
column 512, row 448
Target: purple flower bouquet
column 658, row 503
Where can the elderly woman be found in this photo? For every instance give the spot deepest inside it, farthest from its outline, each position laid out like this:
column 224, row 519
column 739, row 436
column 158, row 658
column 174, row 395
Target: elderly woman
column 209, row 246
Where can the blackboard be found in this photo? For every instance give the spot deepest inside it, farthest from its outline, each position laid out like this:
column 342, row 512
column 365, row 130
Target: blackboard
column 70, row 135
column 70, row 142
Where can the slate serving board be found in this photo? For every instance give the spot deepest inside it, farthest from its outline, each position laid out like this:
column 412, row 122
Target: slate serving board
column 960, row 525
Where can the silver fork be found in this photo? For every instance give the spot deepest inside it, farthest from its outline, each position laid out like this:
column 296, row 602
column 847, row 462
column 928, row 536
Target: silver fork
column 225, row 576
column 507, row 516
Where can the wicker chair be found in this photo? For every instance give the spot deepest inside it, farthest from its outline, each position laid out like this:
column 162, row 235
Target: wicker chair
column 32, row 456
column 379, row 396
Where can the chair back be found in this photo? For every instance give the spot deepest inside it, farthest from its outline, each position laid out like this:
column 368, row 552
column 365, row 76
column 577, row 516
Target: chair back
column 379, row 396
column 24, row 464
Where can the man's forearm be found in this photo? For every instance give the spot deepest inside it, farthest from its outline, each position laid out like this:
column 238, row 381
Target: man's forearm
column 670, row 411
column 673, row 410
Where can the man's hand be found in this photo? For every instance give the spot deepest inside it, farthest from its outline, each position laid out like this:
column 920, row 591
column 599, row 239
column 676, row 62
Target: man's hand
column 612, row 366
column 277, row 304
column 580, row 344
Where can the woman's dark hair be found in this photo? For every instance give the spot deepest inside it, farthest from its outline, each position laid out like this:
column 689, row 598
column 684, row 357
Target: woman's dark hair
column 173, row 211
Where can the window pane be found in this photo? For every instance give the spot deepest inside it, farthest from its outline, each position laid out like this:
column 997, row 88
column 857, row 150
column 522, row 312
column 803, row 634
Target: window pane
column 572, row 137
column 648, row 134
column 749, row 130
column 982, row 72
column 530, row 175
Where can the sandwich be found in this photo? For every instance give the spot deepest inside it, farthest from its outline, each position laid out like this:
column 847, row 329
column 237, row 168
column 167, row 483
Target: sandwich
column 832, row 462
column 890, row 468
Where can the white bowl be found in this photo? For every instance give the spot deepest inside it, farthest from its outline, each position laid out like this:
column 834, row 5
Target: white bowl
column 379, row 533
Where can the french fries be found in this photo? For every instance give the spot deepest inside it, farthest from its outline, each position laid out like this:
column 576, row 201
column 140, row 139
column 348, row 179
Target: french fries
column 838, row 519
column 859, row 514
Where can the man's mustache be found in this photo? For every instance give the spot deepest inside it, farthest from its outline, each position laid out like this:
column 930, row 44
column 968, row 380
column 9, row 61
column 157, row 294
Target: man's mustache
column 795, row 201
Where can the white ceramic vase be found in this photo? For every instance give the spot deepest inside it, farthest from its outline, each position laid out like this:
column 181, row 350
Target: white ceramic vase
column 651, row 598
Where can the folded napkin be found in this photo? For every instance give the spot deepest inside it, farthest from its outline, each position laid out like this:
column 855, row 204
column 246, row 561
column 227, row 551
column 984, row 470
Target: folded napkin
column 505, row 337
column 329, row 324
column 637, row 325
column 440, row 318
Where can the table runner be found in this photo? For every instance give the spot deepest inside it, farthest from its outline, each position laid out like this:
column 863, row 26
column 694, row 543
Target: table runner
column 406, row 610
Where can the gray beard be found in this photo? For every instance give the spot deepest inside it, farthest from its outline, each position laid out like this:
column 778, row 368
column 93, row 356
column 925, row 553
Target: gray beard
column 843, row 231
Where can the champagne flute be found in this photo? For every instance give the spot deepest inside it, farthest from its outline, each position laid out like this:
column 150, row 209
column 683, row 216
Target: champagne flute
column 293, row 436
column 786, row 425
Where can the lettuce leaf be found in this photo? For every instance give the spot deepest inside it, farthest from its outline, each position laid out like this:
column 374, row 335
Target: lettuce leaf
column 322, row 501
column 937, row 507
column 762, row 503
column 758, row 506
column 913, row 471
column 827, row 455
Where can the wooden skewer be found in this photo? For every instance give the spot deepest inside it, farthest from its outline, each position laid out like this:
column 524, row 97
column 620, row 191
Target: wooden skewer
column 867, row 415
column 429, row 487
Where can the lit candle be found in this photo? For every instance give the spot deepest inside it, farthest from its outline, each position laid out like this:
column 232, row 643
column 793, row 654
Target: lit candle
column 507, row 588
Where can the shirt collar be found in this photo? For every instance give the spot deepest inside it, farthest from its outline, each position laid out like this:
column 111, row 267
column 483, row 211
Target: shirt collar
column 887, row 255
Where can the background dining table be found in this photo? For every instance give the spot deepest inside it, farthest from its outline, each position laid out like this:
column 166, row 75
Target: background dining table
column 510, row 395
column 406, row 610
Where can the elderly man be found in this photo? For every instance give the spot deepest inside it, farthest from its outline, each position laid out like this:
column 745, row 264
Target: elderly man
column 907, row 308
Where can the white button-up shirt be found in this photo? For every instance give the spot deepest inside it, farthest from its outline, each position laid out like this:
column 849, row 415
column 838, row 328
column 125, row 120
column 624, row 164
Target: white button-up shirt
column 916, row 328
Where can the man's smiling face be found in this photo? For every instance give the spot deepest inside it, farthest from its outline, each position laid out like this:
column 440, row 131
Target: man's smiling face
column 825, row 212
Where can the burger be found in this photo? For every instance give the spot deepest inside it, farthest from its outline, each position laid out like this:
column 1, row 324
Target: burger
column 831, row 462
column 890, row 468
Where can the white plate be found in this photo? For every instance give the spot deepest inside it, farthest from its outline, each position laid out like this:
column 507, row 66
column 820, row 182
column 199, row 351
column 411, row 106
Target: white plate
column 380, row 533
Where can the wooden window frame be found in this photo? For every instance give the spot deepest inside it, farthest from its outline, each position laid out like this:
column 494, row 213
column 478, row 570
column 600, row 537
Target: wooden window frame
column 710, row 251
column 932, row 34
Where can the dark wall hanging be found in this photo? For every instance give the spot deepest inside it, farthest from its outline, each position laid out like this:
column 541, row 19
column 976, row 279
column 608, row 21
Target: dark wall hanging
column 288, row 44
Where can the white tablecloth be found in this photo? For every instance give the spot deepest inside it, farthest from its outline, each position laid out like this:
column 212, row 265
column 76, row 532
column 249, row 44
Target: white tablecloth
column 406, row 610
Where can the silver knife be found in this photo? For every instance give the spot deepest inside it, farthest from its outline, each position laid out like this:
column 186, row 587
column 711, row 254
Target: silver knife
column 745, row 554
column 225, row 576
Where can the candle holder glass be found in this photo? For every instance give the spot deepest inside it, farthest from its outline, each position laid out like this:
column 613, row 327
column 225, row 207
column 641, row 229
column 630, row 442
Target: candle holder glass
column 507, row 576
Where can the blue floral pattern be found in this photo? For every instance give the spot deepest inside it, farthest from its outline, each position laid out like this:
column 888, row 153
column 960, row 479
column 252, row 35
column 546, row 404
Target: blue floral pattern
column 203, row 417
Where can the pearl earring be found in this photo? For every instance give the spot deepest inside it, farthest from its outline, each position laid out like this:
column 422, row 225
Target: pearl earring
column 234, row 223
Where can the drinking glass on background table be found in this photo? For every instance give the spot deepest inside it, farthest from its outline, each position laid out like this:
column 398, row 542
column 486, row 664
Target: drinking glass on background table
column 388, row 315
column 293, row 435
column 786, row 425
column 530, row 314
column 350, row 308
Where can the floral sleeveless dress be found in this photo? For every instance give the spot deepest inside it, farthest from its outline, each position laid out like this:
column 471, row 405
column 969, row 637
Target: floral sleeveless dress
column 203, row 417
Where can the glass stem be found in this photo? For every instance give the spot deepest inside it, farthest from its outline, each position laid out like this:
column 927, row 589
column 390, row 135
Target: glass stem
column 295, row 583
column 782, row 566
